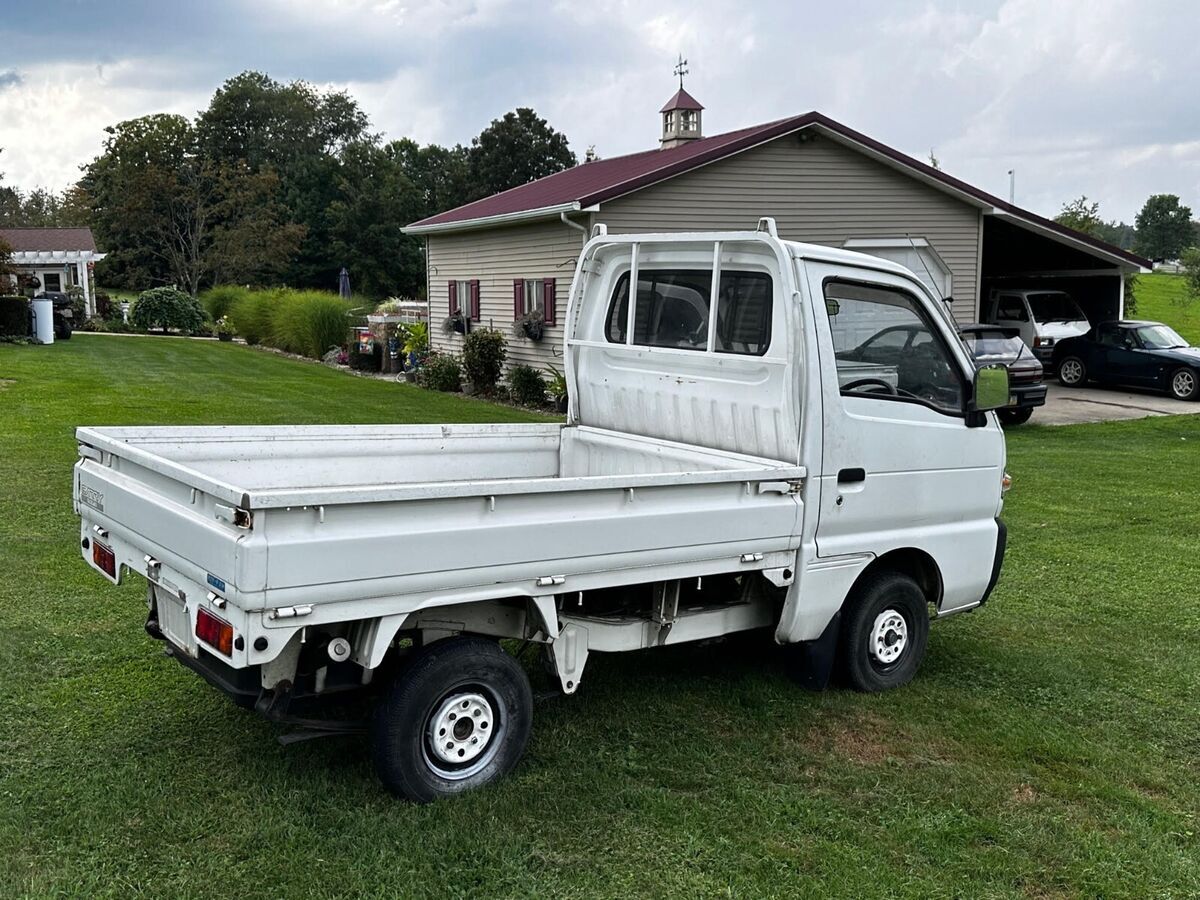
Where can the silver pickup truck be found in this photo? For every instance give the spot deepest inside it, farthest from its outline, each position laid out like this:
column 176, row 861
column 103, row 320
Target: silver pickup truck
column 716, row 473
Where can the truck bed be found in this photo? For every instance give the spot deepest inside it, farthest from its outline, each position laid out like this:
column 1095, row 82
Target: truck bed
column 331, row 515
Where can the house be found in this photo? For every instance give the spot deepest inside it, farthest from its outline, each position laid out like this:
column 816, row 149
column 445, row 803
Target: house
column 824, row 183
column 55, row 259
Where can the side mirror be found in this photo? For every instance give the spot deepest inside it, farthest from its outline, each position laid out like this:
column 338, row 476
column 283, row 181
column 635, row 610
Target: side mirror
column 990, row 390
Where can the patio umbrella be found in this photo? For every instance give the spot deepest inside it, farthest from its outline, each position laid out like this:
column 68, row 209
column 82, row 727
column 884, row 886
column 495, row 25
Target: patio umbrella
column 344, row 283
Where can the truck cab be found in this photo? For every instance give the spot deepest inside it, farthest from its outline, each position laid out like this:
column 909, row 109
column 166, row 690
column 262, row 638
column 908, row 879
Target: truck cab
column 1042, row 317
column 761, row 434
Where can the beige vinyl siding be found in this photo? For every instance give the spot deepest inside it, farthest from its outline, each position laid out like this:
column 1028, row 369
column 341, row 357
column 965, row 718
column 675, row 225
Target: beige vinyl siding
column 820, row 192
column 496, row 257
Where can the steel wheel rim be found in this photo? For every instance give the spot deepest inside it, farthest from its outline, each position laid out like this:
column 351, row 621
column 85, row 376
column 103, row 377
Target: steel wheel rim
column 889, row 638
column 1070, row 371
column 1183, row 384
column 463, row 733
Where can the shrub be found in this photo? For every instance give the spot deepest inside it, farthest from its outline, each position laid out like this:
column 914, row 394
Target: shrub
column 483, row 358
column 441, row 373
column 527, row 386
column 308, row 322
column 104, row 305
column 165, row 308
column 14, row 317
column 251, row 315
column 219, row 300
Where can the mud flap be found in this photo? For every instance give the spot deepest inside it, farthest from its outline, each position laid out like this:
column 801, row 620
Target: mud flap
column 810, row 663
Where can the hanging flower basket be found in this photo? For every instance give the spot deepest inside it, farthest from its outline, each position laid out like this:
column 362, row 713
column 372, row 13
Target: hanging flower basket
column 532, row 325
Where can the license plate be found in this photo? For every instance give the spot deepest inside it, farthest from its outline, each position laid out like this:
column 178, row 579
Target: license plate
column 173, row 621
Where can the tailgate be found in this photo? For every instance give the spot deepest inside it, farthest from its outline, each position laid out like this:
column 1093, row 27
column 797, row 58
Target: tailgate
column 136, row 513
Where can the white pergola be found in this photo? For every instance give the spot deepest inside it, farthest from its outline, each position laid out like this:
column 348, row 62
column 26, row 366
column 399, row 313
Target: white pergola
column 45, row 260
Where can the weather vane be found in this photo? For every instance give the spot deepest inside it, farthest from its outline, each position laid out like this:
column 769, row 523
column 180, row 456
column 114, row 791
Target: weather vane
column 681, row 69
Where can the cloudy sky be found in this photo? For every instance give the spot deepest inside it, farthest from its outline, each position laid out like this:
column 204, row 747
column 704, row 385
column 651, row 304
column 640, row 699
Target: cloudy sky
column 1096, row 97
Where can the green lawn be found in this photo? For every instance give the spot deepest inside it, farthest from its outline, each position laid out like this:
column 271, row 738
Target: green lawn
column 1163, row 298
column 1047, row 749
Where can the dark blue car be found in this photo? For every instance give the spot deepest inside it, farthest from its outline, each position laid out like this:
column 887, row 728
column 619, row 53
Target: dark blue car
column 1137, row 354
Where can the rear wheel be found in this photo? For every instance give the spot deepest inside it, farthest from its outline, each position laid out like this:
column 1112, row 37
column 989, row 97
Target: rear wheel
column 885, row 633
column 457, row 717
column 1015, row 416
column 1184, row 384
column 1072, row 372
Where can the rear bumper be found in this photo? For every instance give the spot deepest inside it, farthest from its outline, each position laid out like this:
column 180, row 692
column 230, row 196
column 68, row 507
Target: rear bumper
column 241, row 685
column 998, row 561
column 1028, row 395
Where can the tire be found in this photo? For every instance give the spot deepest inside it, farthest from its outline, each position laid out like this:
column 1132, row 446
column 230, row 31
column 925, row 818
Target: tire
column 1184, row 383
column 429, row 700
column 1018, row 416
column 1072, row 372
column 886, row 611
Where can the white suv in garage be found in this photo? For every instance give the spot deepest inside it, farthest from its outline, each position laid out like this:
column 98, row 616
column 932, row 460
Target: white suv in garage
column 1042, row 317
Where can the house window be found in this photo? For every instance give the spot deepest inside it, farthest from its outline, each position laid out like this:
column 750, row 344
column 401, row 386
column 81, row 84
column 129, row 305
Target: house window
column 669, row 122
column 690, row 120
column 534, row 300
column 535, row 295
column 673, row 308
column 51, row 281
column 464, row 298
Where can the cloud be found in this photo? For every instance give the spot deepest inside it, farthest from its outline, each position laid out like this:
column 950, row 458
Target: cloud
column 1080, row 96
column 11, row 78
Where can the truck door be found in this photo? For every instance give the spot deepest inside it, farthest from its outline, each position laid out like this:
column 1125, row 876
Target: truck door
column 901, row 468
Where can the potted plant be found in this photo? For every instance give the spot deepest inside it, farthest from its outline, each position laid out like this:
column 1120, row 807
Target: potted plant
column 531, row 325
column 224, row 329
column 416, row 348
column 556, row 386
column 455, row 322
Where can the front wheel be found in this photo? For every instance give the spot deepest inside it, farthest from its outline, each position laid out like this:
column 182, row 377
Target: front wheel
column 886, row 631
column 1184, row 384
column 458, row 717
column 1015, row 416
column 1072, row 372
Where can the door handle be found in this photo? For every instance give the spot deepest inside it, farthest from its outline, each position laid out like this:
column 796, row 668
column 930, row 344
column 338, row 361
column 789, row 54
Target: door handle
column 852, row 476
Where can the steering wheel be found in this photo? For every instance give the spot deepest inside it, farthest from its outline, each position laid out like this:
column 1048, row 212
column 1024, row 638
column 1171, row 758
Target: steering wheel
column 877, row 382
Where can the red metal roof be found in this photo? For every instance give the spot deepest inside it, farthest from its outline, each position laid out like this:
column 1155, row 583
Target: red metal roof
column 607, row 179
column 40, row 240
column 681, row 100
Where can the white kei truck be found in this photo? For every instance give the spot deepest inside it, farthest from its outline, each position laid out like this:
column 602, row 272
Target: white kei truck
column 727, row 463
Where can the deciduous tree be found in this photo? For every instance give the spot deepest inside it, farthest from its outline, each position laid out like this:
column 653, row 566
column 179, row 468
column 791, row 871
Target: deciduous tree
column 1164, row 227
column 515, row 149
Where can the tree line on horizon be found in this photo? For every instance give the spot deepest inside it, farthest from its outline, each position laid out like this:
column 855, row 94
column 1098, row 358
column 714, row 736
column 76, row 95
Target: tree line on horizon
column 278, row 184
column 284, row 184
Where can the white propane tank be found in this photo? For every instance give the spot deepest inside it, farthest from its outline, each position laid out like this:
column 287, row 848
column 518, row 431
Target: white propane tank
column 43, row 321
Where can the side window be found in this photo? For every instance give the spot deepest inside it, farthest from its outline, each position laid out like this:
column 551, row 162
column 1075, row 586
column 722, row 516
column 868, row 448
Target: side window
column 920, row 368
column 672, row 310
column 1109, row 336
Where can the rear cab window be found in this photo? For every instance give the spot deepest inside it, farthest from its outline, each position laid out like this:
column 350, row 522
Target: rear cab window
column 674, row 307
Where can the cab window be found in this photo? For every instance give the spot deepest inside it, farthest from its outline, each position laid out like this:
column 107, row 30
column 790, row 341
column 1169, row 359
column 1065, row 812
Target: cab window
column 673, row 310
column 887, row 350
column 1011, row 308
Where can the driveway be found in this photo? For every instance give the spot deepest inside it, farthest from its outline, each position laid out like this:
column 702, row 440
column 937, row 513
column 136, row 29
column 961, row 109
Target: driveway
column 1072, row 406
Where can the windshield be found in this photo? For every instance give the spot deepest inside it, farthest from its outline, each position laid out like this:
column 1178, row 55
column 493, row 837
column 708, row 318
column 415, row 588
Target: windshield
column 992, row 346
column 1055, row 306
column 1160, row 337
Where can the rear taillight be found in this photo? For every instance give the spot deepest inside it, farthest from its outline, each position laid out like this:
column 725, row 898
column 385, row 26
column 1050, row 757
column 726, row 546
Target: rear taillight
column 216, row 633
column 104, row 558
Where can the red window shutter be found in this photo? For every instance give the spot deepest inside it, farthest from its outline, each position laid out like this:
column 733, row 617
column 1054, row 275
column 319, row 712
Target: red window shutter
column 548, row 297
column 475, row 310
column 518, row 298
column 453, row 297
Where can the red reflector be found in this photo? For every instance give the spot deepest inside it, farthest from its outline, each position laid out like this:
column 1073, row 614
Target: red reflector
column 214, row 632
column 104, row 558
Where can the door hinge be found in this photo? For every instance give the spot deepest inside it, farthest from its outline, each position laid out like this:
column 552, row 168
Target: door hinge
column 291, row 612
